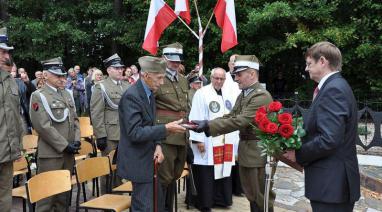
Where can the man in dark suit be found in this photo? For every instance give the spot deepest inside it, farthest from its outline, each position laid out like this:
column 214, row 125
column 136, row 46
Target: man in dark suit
column 140, row 140
column 328, row 152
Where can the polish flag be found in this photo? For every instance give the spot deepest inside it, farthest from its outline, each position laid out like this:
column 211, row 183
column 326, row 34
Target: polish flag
column 182, row 9
column 160, row 17
column 226, row 19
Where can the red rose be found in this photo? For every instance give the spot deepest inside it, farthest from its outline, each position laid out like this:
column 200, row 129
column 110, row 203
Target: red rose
column 275, row 106
column 272, row 128
column 262, row 109
column 259, row 117
column 263, row 124
column 286, row 130
column 285, row 118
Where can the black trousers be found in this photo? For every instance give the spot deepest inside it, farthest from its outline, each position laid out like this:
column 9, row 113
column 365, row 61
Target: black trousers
column 332, row 207
column 211, row 192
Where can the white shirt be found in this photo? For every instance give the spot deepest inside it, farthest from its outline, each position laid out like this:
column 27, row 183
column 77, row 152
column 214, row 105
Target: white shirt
column 322, row 81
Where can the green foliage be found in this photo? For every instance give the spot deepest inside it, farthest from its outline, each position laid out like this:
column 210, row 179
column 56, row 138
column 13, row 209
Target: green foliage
column 278, row 32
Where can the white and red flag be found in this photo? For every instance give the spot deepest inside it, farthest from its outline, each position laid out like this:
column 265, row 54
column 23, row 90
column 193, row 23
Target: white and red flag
column 226, row 19
column 160, row 17
column 182, row 9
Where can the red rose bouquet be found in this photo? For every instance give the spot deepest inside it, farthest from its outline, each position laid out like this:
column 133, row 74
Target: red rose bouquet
column 277, row 130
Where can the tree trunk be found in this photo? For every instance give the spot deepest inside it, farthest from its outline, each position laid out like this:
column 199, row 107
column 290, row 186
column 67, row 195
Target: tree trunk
column 117, row 11
column 4, row 10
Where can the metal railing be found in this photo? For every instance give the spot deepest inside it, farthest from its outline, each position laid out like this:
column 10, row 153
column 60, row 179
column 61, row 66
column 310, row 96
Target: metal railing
column 369, row 119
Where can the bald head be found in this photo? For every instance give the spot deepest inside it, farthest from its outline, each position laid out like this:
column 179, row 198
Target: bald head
column 217, row 78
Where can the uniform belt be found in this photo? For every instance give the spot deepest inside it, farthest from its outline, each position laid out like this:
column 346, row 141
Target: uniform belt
column 178, row 114
column 248, row 137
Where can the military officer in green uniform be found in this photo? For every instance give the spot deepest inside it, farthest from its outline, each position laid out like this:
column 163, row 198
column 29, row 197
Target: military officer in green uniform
column 195, row 83
column 11, row 130
column 53, row 116
column 251, row 163
column 172, row 104
column 104, row 109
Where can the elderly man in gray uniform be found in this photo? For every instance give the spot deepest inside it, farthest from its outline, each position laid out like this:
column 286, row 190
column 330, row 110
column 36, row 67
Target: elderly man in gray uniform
column 11, row 123
column 54, row 117
column 104, row 109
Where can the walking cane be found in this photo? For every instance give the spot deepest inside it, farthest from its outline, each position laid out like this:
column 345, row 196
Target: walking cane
column 155, row 195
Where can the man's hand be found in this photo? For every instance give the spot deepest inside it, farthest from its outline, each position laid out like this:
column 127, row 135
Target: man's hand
column 77, row 144
column 175, row 127
column 290, row 155
column 202, row 126
column 101, row 143
column 71, row 149
column 24, row 77
column 201, row 147
column 158, row 154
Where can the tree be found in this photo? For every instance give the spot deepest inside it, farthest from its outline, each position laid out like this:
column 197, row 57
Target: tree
column 278, row 32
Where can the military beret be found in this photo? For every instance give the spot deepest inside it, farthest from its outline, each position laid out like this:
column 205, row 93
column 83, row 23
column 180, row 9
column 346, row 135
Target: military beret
column 173, row 52
column 152, row 64
column 244, row 62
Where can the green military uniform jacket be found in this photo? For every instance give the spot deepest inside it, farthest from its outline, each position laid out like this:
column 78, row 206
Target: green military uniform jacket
column 172, row 96
column 54, row 133
column 11, row 123
column 104, row 114
column 240, row 118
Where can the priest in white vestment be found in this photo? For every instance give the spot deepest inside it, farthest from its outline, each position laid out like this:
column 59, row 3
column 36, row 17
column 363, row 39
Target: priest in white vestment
column 213, row 156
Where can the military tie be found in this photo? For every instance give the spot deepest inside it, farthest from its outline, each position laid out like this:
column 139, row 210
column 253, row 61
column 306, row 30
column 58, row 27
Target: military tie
column 119, row 84
column 59, row 91
column 316, row 90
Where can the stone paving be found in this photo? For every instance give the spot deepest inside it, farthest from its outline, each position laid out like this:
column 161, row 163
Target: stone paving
column 289, row 188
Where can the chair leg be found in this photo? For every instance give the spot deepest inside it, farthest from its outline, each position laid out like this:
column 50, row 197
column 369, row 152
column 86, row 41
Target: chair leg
column 94, row 186
column 184, row 183
column 84, row 191
column 178, row 181
column 24, row 206
column 78, row 197
column 176, row 198
column 31, row 208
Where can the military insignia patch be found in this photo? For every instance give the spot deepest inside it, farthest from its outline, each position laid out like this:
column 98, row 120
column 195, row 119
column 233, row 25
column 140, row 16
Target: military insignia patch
column 214, row 106
column 228, row 105
column 35, row 106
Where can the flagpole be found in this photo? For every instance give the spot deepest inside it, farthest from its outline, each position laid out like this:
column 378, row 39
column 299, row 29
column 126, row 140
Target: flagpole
column 201, row 36
column 185, row 24
column 209, row 21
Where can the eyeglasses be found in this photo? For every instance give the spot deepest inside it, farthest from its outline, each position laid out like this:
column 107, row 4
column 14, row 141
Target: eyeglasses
column 219, row 78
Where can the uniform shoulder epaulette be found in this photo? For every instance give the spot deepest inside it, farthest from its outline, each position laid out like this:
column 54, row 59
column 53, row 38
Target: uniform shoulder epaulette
column 97, row 86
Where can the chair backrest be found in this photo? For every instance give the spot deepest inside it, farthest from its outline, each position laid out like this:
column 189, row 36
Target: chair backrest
column 111, row 156
column 86, row 149
column 30, row 142
column 47, row 184
column 84, row 120
column 91, row 168
column 20, row 164
column 86, row 129
column 34, row 132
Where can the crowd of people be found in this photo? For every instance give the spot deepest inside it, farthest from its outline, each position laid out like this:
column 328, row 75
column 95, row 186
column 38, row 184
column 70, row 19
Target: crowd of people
column 159, row 115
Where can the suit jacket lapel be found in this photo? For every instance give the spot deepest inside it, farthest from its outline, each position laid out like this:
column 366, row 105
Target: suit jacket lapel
column 336, row 75
column 143, row 96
